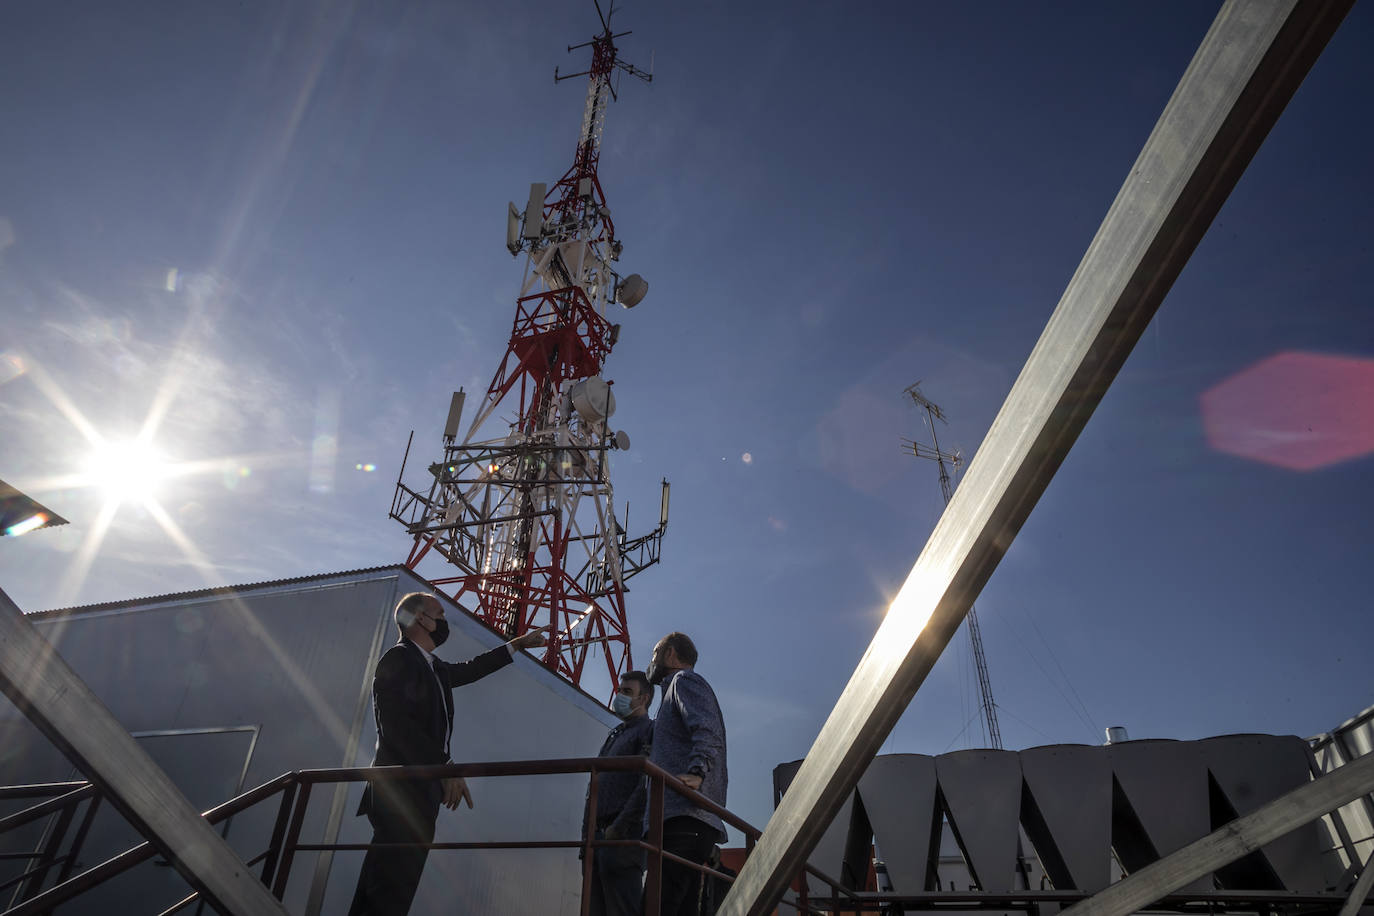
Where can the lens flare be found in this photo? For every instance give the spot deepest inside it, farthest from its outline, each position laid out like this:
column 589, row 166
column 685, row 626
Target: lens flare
column 37, row 520
column 11, row 366
column 127, row 471
column 1297, row 410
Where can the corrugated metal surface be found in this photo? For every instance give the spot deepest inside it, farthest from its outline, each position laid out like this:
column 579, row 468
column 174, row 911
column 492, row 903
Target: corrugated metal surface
column 1355, row 822
column 205, row 592
column 292, row 661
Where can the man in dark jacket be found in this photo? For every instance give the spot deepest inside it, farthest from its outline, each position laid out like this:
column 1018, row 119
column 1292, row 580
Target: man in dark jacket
column 618, row 880
column 689, row 742
column 412, row 700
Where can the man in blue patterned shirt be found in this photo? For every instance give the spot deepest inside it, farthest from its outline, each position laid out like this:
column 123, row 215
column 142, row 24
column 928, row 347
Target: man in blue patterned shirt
column 689, row 742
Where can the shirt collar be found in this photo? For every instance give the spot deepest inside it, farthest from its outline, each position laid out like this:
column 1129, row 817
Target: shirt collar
column 429, row 656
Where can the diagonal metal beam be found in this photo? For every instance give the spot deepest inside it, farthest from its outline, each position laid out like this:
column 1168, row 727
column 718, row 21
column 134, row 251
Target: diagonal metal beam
column 1360, row 892
column 1247, row 68
column 60, row 704
column 1236, row 839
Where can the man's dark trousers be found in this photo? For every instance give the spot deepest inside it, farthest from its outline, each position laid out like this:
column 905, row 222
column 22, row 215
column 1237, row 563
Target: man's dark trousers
column 691, row 839
column 400, row 813
column 618, row 884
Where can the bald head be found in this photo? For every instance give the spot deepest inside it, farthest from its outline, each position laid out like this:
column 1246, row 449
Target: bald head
column 420, row 618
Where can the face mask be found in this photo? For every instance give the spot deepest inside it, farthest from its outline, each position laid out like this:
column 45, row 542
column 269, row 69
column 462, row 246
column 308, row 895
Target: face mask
column 656, row 672
column 621, row 705
column 440, row 633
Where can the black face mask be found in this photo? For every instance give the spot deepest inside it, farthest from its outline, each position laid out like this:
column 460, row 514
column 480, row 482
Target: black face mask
column 440, row 634
column 656, row 673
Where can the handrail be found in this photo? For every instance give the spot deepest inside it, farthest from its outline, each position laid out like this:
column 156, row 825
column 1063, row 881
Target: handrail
column 42, row 859
column 295, row 787
column 38, row 790
column 20, row 818
column 552, row 767
column 78, row 884
column 561, row 766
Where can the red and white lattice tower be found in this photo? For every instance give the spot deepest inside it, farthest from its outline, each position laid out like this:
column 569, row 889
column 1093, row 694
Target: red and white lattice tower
column 528, row 517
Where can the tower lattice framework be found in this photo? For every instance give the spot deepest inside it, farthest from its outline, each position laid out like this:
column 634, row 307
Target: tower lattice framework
column 529, row 517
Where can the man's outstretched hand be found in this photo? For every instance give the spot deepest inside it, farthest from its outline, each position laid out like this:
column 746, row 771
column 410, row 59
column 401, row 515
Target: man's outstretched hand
column 539, row 636
column 455, row 790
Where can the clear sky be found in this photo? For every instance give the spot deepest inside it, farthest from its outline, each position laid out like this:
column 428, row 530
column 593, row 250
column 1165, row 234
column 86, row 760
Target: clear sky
column 277, row 226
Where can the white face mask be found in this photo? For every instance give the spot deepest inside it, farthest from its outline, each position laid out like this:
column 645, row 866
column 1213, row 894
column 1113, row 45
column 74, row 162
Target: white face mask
column 621, row 705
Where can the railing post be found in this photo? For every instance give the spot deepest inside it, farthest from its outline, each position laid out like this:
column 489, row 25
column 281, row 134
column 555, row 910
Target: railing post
column 292, row 837
column 69, row 862
column 269, row 864
column 48, row 853
column 588, row 851
column 653, row 878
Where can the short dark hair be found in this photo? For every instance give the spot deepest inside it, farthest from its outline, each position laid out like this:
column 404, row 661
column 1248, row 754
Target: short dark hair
column 682, row 644
column 640, row 678
column 409, row 607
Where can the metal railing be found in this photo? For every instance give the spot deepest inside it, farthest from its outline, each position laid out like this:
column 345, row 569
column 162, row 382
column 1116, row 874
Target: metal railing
column 70, row 886
column 295, row 790
column 62, row 801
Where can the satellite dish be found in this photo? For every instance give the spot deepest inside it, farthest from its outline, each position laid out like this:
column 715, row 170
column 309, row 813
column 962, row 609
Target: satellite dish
column 592, row 399
column 631, row 290
column 622, row 440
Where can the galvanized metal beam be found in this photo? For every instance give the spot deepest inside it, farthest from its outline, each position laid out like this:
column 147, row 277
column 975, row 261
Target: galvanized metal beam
column 1249, row 65
column 1239, row 838
column 60, row 704
column 1360, row 892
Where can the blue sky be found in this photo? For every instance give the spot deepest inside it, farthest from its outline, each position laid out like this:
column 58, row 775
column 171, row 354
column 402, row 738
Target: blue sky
column 830, row 202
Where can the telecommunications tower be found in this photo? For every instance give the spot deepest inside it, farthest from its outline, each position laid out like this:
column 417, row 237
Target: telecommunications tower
column 975, row 635
column 526, row 515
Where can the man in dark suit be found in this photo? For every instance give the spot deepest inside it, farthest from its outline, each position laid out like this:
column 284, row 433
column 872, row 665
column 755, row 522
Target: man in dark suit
column 412, row 700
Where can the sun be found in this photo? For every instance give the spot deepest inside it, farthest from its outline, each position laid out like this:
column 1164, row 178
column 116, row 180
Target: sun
column 127, row 471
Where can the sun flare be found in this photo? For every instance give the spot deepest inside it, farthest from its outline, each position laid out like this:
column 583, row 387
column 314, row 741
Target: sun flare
column 127, row 471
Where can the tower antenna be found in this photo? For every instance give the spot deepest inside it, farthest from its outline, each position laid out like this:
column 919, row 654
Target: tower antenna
column 933, row 453
column 527, row 515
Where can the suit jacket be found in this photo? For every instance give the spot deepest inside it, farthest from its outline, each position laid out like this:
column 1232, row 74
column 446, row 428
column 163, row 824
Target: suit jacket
column 413, row 715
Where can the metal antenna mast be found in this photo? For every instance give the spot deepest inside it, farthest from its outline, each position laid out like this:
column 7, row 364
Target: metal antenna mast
column 932, row 452
column 528, row 516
